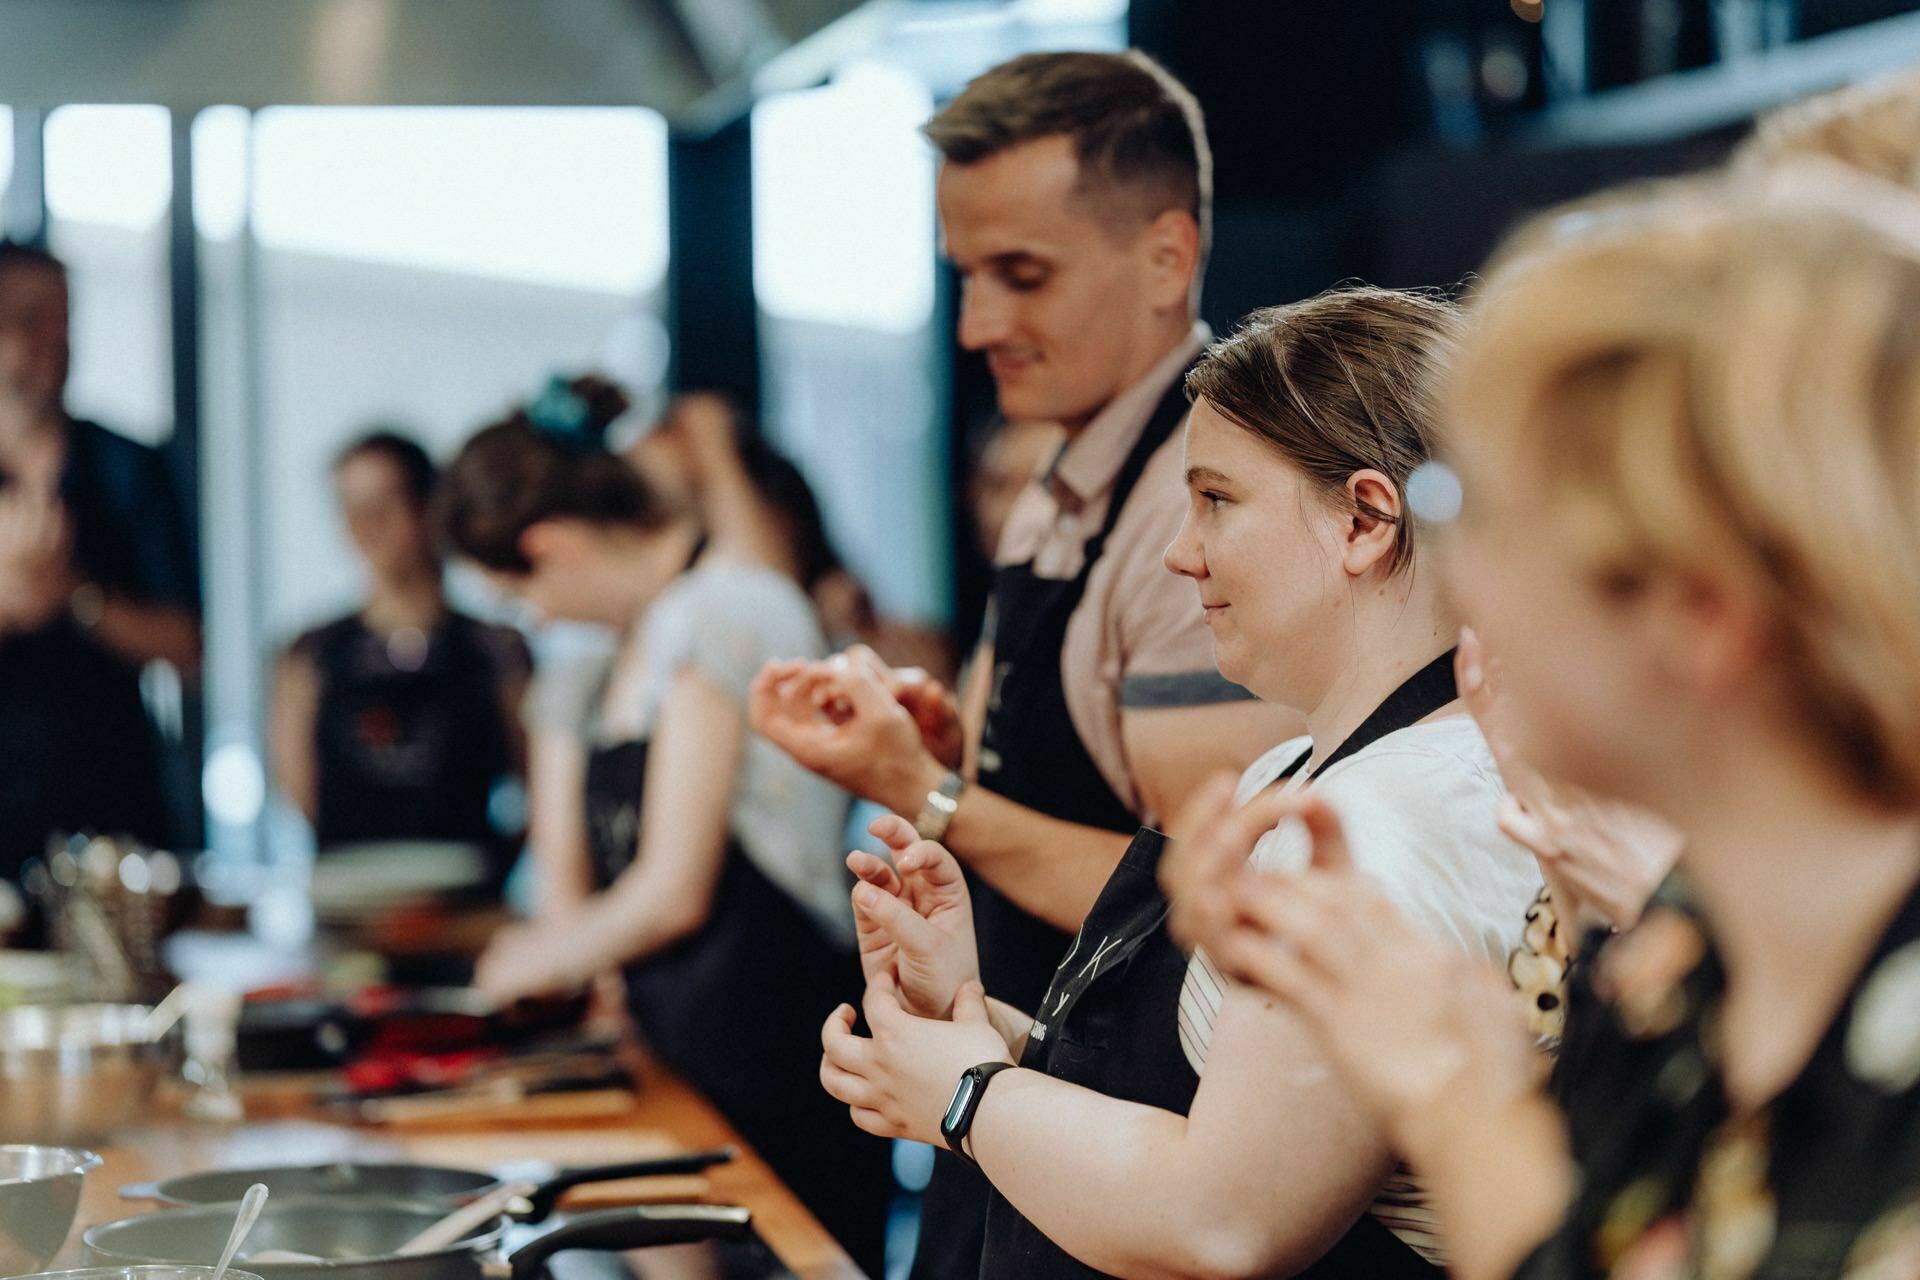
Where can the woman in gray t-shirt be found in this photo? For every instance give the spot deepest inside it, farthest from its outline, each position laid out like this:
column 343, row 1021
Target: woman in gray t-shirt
column 719, row 891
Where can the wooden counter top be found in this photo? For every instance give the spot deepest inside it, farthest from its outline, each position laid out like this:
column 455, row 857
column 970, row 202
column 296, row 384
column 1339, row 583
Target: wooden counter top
column 281, row 1130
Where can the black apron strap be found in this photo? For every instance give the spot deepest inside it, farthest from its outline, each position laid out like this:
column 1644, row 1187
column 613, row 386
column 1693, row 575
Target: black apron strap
column 1031, row 753
column 1423, row 693
column 1166, row 419
column 1108, row 1022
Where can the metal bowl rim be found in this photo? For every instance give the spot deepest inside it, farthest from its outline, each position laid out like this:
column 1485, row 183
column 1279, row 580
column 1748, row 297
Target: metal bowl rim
column 82, row 1273
column 58, row 1014
column 85, row 1161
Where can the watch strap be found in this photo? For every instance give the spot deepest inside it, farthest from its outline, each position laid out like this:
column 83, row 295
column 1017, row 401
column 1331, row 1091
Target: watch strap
column 955, row 1129
column 936, row 814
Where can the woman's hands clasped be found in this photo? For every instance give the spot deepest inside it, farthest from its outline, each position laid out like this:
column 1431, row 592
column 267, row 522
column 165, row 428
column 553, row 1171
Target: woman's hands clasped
column 897, row 1082
column 924, row 1004
column 914, row 919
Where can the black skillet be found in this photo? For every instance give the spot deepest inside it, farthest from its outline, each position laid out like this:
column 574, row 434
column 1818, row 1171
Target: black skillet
column 415, row 1183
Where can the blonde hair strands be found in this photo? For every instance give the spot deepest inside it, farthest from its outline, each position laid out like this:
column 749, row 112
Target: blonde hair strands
column 1723, row 380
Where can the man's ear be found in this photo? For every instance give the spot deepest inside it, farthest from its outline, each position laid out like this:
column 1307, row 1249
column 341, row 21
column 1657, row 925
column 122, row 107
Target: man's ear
column 1376, row 509
column 1172, row 245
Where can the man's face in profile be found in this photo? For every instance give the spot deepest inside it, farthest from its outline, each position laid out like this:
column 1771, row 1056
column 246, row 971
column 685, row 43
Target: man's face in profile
column 1059, row 298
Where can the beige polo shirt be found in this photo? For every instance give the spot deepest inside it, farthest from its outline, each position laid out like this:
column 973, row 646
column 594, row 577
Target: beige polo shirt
column 1137, row 639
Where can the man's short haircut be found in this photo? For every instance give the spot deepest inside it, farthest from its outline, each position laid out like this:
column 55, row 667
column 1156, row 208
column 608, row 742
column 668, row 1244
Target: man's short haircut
column 18, row 253
column 1138, row 133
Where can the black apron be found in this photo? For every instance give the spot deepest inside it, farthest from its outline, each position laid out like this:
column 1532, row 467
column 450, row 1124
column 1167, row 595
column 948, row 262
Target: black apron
column 1109, row 1021
column 735, row 1010
column 77, row 750
column 410, row 752
column 1031, row 754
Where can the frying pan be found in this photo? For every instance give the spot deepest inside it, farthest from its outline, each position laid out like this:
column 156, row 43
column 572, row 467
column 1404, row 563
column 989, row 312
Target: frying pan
column 355, row 1239
column 436, row 1185
column 311, row 1032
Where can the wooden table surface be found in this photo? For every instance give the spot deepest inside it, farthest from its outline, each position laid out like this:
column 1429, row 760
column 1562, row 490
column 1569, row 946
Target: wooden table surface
column 282, row 1129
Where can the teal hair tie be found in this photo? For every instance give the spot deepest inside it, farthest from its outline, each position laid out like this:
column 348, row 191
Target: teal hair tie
column 561, row 414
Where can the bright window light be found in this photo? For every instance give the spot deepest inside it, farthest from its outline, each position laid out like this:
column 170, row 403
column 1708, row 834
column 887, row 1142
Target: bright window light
column 234, row 784
column 564, row 196
column 6, row 152
column 843, row 221
column 220, row 171
column 109, row 166
column 1039, row 11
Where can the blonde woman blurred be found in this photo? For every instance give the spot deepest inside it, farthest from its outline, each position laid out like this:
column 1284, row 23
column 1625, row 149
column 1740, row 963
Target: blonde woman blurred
column 1872, row 128
column 1689, row 436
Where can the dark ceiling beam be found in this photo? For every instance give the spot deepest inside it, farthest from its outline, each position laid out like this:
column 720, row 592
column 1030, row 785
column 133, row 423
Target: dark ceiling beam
column 191, row 53
column 713, row 318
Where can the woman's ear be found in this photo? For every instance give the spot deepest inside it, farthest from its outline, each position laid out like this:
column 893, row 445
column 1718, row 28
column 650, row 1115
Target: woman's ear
column 539, row 541
column 1376, row 510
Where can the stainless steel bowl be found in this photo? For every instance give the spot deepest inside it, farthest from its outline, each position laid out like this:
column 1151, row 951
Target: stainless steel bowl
column 39, row 1194
column 142, row 1273
column 76, row 1073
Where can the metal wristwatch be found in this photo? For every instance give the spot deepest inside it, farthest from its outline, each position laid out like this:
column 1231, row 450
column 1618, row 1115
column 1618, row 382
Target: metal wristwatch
column 958, row 1121
column 936, row 815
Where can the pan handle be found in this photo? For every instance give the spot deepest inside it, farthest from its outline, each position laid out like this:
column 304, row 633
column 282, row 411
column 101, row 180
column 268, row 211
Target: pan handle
column 641, row 1228
column 547, row 1194
column 141, row 1191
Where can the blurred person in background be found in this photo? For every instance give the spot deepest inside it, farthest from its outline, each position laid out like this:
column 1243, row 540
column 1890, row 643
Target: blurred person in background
column 401, row 720
column 717, row 886
column 97, row 579
column 1012, row 456
column 703, row 453
column 1601, row 857
column 1074, row 193
column 699, row 458
column 1687, row 429
column 1872, row 127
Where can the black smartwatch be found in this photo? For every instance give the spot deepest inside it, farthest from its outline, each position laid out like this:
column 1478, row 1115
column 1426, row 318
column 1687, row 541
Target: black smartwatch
column 966, row 1101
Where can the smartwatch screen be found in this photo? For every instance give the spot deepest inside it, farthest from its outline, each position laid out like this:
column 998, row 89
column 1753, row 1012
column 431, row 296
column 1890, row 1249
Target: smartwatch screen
column 962, row 1099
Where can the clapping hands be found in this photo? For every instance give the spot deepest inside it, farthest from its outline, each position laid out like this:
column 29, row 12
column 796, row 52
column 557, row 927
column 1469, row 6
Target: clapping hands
column 885, row 735
column 914, row 919
column 924, row 1003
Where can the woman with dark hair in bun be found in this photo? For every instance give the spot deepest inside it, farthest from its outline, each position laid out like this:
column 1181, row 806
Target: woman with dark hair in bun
column 720, row 895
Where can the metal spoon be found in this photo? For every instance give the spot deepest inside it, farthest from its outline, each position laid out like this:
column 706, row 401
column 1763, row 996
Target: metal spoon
column 161, row 1017
column 463, row 1220
column 250, row 1206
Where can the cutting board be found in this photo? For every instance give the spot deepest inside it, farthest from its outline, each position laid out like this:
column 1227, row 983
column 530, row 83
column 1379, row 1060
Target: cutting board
column 570, row 1148
column 505, row 1111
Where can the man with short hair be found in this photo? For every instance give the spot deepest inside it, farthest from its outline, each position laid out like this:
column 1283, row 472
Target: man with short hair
column 96, row 580
column 1074, row 196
